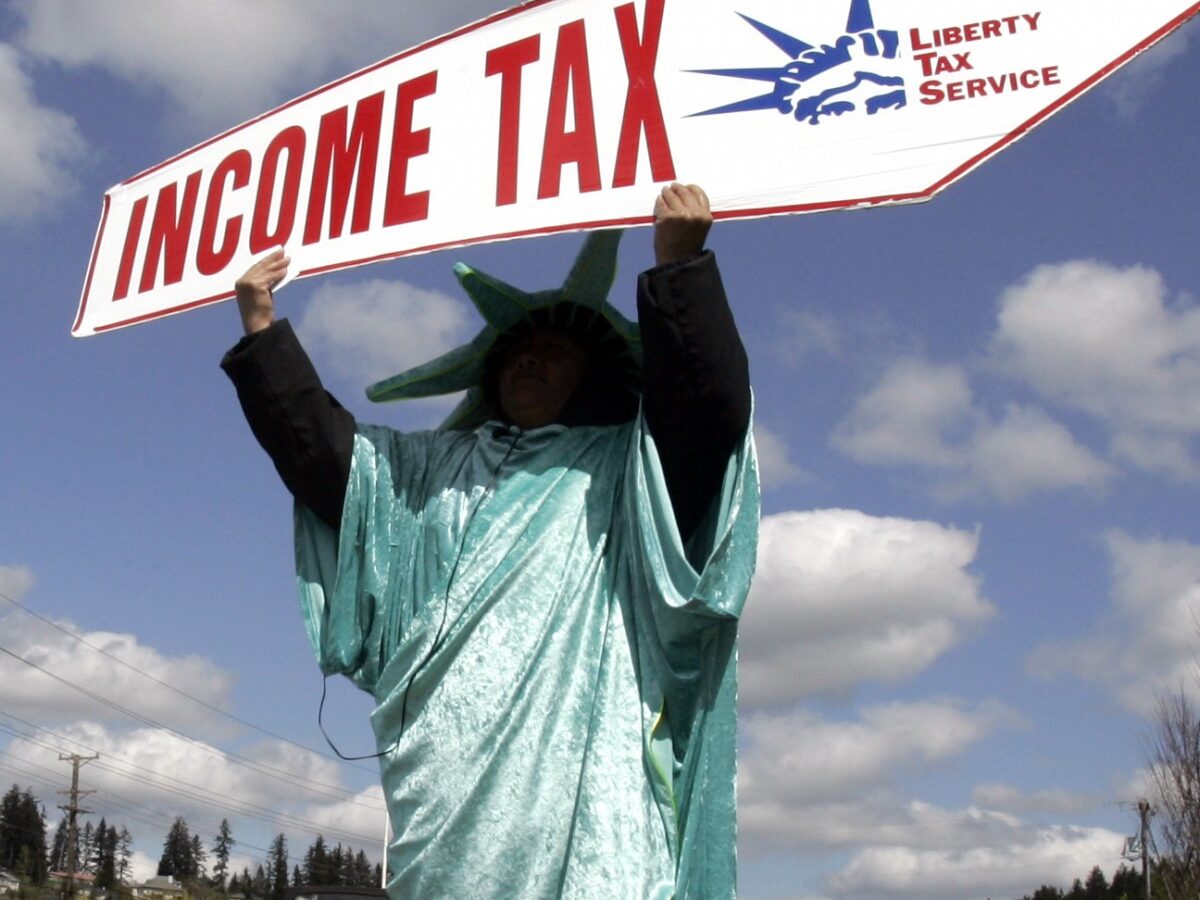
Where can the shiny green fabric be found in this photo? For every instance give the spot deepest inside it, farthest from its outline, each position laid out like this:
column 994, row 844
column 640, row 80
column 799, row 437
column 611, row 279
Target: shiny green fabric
column 565, row 675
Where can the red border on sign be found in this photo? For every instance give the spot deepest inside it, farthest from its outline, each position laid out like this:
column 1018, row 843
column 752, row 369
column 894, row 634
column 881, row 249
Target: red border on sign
column 912, row 197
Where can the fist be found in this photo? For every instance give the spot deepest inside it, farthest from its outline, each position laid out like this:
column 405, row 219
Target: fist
column 255, row 303
column 682, row 219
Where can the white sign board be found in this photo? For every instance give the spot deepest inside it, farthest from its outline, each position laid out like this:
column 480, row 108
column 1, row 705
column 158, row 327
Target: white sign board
column 562, row 115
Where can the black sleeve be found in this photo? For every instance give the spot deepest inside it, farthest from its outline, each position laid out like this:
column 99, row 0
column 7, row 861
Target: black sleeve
column 695, row 380
column 307, row 433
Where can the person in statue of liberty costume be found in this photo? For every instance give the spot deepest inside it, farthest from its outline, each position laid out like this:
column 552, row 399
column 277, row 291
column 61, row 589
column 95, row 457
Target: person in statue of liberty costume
column 542, row 595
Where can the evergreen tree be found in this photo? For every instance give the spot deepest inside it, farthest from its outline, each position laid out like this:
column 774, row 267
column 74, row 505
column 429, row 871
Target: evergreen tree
column 177, row 858
column 112, row 851
column 61, row 852
column 316, row 863
column 23, row 835
column 85, row 861
column 245, row 884
column 277, row 862
column 297, row 879
column 1096, row 886
column 199, row 855
column 92, row 858
column 105, row 857
column 1127, row 884
column 124, row 854
column 221, row 848
column 35, row 829
column 11, row 839
column 337, row 865
column 259, row 887
column 362, row 870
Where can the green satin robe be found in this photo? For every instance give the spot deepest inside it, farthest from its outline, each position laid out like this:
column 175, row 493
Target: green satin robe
column 565, row 674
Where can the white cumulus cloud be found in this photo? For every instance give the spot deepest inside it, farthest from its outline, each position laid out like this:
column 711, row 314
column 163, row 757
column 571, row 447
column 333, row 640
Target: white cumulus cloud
column 841, row 598
column 291, row 788
column 361, row 814
column 1087, row 337
column 912, row 416
column 40, row 144
column 15, row 581
column 815, row 785
column 775, row 464
column 1147, row 646
column 926, row 415
column 1110, row 341
column 1131, row 87
column 64, row 673
column 223, row 61
column 1159, row 453
column 1026, row 451
column 142, row 867
column 802, row 334
column 1055, row 855
column 369, row 330
column 1105, row 340
column 1007, row 798
column 799, row 759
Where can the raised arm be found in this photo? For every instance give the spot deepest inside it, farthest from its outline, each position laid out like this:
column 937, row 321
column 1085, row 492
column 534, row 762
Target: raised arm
column 307, row 433
column 696, row 382
column 256, row 303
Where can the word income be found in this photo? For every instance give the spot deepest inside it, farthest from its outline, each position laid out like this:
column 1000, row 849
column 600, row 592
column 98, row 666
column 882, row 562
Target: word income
column 346, row 154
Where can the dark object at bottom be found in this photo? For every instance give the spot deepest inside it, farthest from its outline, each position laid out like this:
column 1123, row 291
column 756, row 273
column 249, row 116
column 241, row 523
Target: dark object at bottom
column 333, row 892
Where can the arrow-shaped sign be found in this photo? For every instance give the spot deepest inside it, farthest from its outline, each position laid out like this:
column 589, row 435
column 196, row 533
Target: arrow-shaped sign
column 561, row 115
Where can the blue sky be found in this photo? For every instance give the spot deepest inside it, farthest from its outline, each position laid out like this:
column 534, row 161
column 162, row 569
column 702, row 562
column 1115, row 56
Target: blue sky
column 977, row 419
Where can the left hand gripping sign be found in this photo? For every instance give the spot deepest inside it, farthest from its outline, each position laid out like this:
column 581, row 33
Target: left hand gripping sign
column 563, row 115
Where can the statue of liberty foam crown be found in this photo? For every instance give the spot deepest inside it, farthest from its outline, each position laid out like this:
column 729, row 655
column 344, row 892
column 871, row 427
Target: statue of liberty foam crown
column 579, row 308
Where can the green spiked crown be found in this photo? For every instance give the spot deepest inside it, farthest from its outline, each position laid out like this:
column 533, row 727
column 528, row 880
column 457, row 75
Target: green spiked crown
column 580, row 308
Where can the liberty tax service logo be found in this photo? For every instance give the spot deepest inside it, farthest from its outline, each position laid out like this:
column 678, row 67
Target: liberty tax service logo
column 852, row 74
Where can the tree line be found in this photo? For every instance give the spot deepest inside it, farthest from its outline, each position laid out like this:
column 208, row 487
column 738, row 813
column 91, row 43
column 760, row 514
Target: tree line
column 1166, row 877
column 103, row 853
column 185, row 859
column 1127, row 884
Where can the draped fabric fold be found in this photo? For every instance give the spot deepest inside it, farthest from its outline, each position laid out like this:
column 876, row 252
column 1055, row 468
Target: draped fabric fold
column 554, row 671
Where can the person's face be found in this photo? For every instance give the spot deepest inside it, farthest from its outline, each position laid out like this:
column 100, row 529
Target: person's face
column 538, row 376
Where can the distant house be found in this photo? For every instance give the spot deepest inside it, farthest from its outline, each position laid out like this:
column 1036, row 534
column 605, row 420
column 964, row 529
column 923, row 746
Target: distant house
column 161, row 887
column 83, row 880
column 9, row 884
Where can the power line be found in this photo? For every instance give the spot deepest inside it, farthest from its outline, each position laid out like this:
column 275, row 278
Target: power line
column 124, row 805
column 315, row 787
column 195, row 792
column 111, row 797
column 22, row 830
column 173, row 688
column 191, row 791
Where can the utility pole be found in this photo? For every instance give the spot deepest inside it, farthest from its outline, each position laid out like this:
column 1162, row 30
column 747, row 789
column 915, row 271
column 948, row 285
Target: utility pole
column 1145, row 813
column 387, row 836
column 72, row 809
